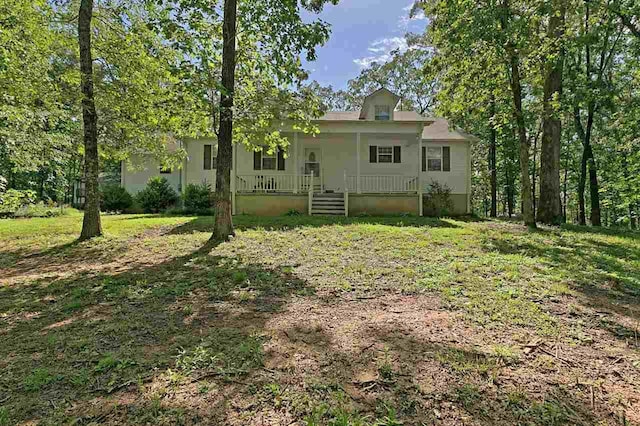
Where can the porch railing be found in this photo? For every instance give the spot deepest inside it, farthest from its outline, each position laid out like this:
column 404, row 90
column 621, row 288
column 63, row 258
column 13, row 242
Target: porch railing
column 272, row 183
column 383, row 184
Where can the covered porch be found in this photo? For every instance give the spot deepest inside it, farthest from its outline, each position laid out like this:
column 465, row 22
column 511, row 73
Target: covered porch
column 336, row 164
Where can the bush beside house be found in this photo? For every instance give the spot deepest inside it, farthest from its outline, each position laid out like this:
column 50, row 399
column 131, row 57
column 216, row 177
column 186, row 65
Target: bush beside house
column 197, row 198
column 157, row 196
column 437, row 200
column 114, row 198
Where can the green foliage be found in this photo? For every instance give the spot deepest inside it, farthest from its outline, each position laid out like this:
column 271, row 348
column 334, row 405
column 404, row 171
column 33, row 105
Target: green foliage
column 227, row 351
column 39, row 378
column 4, row 416
column 197, row 198
column 437, row 200
column 157, row 196
column 293, row 212
column 114, row 198
column 12, row 200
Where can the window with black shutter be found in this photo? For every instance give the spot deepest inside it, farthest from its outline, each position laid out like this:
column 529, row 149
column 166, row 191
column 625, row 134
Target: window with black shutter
column 446, row 159
column 208, row 149
column 280, row 159
column 397, row 158
column 424, row 158
column 373, row 154
column 257, row 160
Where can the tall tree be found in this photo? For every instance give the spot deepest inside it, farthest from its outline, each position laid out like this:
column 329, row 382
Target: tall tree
column 223, row 225
column 550, row 209
column 515, row 80
column 91, row 224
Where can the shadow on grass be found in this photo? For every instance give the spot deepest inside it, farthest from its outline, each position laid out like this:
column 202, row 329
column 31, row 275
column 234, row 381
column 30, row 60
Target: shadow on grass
column 605, row 274
column 471, row 380
column 614, row 232
column 77, row 338
column 278, row 223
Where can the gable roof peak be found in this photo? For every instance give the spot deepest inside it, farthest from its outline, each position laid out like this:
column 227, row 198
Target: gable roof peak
column 367, row 100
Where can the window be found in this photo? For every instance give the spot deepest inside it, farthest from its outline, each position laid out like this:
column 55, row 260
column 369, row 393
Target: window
column 265, row 161
column 436, row 159
column 385, row 154
column 208, row 153
column 383, row 113
column 269, row 161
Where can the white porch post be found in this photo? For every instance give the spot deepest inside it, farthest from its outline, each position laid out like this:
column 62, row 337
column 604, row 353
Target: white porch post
column 420, row 189
column 296, row 177
column 234, row 174
column 358, row 187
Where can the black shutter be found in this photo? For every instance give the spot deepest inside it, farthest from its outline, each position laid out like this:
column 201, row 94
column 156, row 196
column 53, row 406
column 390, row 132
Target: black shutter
column 424, row 158
column 396, row 154
column 373, row 154
column 207, row 157
column 446, row 159
column 257, row 160
column 280, row 159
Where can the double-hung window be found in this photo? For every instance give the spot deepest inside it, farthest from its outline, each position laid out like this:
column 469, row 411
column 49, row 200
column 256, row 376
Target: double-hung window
column 436, row 159
column 385, row 154
column 263, row 160
column 269, row 161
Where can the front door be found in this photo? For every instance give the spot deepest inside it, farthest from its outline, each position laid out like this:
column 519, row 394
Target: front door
column 312, row 158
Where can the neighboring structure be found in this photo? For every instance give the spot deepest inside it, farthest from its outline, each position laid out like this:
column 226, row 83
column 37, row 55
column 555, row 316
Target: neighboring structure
column 376, row 161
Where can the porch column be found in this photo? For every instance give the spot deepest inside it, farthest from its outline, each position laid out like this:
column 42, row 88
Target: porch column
column 420, row 189
column 296, row 179
column 234, row 179
column 358, row 188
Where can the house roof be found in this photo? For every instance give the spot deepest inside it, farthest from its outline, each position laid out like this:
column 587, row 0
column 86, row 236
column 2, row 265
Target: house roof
column 355, row 116
column 440, row 130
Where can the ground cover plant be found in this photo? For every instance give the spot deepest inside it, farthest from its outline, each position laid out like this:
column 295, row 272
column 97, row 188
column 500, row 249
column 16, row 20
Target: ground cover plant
column 318, row 321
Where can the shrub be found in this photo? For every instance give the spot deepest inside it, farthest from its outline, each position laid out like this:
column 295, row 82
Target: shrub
column 437, row 200
column 293, row 212
column 157, row 196
column 114, row 198
column 197, row 198
column 12, row 200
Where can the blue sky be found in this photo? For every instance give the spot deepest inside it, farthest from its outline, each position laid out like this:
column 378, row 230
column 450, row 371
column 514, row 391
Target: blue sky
column 362, row 31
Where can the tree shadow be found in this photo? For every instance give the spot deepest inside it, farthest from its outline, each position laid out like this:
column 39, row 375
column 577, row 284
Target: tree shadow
column 242, row 223
column 604, row 274
column 88, row 335
column 614, row 232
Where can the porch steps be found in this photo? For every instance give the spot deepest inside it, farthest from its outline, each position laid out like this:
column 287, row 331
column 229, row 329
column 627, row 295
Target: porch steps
column 328, row 204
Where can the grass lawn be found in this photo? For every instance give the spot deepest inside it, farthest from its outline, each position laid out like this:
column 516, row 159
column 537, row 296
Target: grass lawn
column 318, row 321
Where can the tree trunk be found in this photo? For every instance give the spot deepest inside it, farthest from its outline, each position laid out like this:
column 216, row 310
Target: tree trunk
column 492, row 165
column 223, row 224
column 534, row 175
column 516, row 91
column 564, row 191
column 550, row 210
column 594, row 189
column 516, row 88
column 91, row 225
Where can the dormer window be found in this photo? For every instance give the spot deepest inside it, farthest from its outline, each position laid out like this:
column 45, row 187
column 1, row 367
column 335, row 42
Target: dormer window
column 383, row 113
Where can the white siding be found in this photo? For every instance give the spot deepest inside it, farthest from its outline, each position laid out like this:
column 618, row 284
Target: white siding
column 456, row 179
column 142, row 168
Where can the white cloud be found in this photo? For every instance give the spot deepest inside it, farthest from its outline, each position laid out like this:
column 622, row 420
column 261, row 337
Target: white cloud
column 407, row 18
column 381, row 51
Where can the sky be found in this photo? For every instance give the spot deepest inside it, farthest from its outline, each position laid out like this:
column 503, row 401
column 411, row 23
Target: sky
column 362, row 31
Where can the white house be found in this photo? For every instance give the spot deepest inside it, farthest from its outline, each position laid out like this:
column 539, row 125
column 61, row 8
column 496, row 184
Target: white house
column 375, row 161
